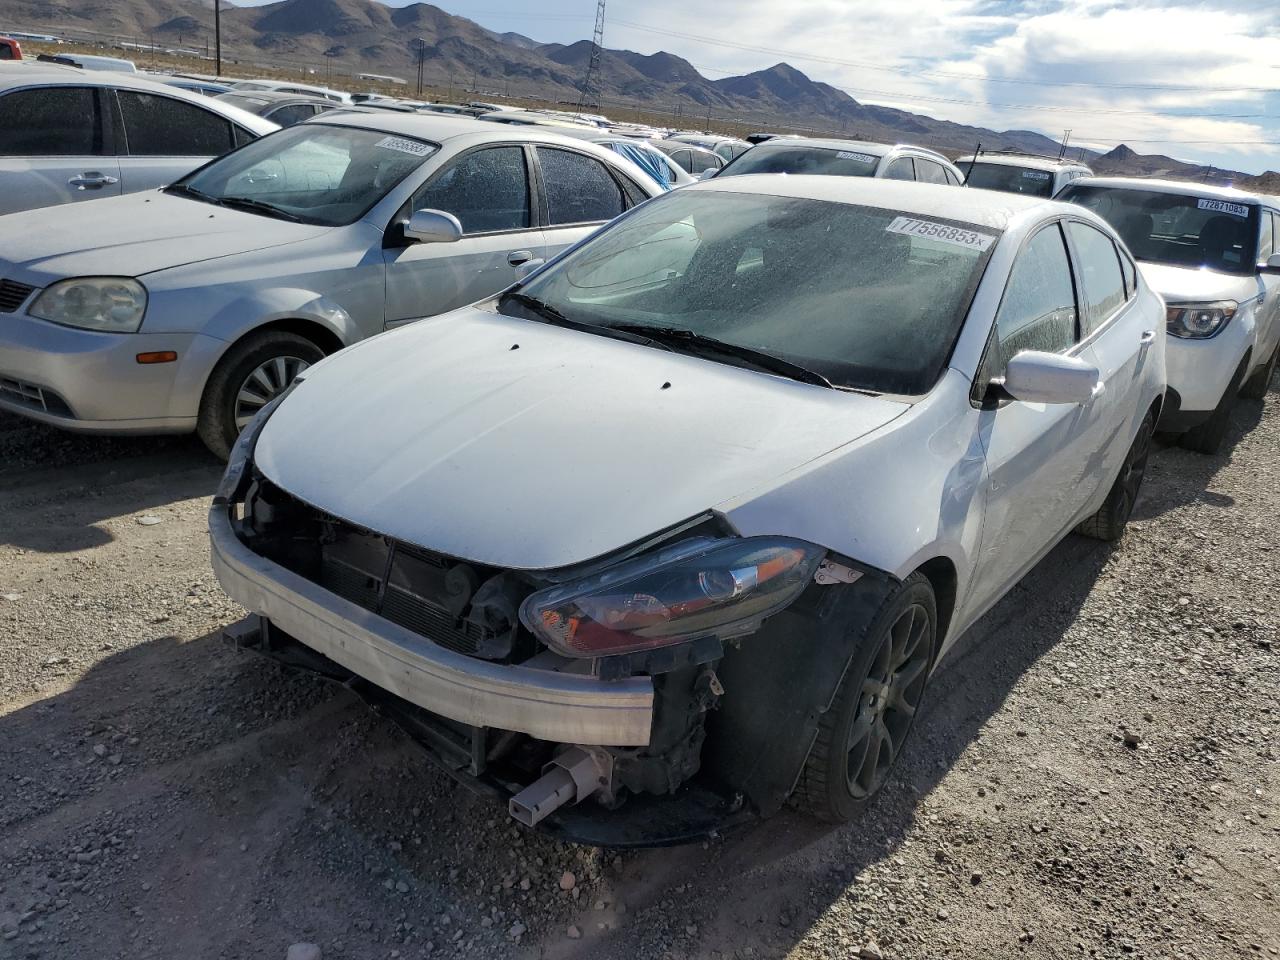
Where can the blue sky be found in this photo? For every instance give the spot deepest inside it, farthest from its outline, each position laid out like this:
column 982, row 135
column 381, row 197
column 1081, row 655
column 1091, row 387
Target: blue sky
column 1196, row 79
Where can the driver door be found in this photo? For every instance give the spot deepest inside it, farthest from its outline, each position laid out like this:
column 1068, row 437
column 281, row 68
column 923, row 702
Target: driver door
column 489, row 191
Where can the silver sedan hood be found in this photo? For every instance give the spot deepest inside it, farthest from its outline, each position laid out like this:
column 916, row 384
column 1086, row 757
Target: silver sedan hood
column 528, row 446
column 132, row 236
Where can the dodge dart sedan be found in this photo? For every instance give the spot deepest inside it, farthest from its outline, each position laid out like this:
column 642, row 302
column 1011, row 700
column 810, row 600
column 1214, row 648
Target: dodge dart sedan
column 678, row 527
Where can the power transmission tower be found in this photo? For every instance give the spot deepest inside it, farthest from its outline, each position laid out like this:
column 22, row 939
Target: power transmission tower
column 586, row 91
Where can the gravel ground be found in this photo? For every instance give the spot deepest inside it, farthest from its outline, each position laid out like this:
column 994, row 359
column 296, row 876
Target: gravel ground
column 1094, row 775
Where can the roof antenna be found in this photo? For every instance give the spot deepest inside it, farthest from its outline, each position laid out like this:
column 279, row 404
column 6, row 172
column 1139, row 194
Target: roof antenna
column 974, row 159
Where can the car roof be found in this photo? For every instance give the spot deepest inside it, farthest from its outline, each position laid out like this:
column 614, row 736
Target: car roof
column 860, row 146
column 1028, row 160
column 1185, row 188
column 987, row 208
column 273, row 96
column 682, row 145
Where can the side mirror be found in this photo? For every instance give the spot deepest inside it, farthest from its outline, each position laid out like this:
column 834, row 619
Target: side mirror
column 526, row 268
column 433, row 226
column 1038, row 377
column 1273, row 264
column 708, row 173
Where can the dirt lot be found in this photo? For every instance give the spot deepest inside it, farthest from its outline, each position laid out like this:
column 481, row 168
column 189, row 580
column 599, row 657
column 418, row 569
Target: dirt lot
column 162, row 795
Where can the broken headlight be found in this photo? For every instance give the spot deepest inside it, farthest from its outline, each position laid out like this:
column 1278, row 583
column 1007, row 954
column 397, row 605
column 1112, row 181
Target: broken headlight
column 699, row 588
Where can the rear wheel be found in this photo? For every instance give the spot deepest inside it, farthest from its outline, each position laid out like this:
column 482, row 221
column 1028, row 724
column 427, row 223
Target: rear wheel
column 862, row 736
column 252, row 373
column 1113, row 516
column 1256, row 387
column 1208, row 436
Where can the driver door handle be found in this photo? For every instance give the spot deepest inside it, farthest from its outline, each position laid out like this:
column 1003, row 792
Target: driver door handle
column 92, row 180
column 1147, row 339
column 517, row 257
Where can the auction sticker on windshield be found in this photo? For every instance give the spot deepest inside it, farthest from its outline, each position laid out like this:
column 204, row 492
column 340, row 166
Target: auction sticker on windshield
column 404, row 146
column 1035, row 174
column 1221, row 206
column 860, row 157
column 941, row 232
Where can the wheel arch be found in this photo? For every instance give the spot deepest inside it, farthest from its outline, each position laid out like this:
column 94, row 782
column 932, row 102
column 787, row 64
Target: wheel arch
column 943, row 577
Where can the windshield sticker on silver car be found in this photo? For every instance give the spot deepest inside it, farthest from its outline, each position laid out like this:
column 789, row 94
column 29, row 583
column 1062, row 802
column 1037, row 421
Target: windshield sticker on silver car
column 1035, row 174
column 941, row 232
column 860, row 157
column 1221, row 206
column 412, row 147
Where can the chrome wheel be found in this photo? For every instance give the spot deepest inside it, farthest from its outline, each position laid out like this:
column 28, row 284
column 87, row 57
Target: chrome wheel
column 264, row 384
column 888, row 700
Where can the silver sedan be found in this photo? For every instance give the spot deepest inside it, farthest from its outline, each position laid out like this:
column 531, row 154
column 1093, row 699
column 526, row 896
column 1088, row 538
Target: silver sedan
column 189, row 308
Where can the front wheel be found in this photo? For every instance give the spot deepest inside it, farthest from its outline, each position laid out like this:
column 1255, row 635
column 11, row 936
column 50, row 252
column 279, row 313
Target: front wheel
column 1207, row 437
column 861, row 737
column 1113, row 516
column 1256, row 387
column 252, row 373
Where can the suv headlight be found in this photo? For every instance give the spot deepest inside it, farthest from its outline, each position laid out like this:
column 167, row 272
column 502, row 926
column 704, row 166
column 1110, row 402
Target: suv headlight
column 699, row 588
column 1199, row 321
column 110, row 304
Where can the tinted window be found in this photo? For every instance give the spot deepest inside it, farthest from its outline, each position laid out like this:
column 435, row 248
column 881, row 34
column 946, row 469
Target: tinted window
column 900, row 169
column 1185, row 231
column 51, row 122
column 867, row 297
column 1266, row 243
column 1038, row 311
column 579, row 188
column 291, row 113
column 1010, row 179
column 703, row 161
column 930, row 172
column 1099, row 265
column 794, row 158
column 684, row 158
column 487, row 191
column 157, row 126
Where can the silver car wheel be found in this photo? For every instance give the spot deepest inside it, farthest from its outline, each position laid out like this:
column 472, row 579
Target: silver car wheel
column 264, row 384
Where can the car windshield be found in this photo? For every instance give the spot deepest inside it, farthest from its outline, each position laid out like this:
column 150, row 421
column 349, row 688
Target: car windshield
column 1180, row 230
column 823, row 161
column 315, row 173
column 1010, row 179
column 868, row 298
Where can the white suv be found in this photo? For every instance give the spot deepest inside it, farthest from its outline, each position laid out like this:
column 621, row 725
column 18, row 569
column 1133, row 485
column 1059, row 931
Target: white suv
column 1211, row 253
column 1020, row 173
column 845, row 158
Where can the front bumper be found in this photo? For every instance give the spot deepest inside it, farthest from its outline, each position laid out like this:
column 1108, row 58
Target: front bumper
column 91, row 382
column 548, row 705
column 1201, row 370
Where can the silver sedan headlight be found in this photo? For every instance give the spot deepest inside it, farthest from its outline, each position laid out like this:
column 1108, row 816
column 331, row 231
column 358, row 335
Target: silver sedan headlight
column 109, row 304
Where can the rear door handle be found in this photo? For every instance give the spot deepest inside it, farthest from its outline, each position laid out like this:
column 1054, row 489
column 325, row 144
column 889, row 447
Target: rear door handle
column 517, row 257
column 92, row 180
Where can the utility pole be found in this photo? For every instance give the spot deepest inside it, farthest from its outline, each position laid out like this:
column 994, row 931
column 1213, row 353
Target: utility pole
column 593, row 63
column 217, row 38
column 451, row 84
column 422, row 50
column 1066, row 135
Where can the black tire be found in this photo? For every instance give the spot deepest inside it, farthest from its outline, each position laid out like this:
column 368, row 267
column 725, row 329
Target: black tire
column 1113, row 516
column 875, row 706
column 1256, row 387
column 1207, row 437
column 217, row 425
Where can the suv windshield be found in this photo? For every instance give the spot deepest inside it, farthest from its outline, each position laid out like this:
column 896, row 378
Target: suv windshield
column 1010, row 179
column 867, row 298
column 314, row 173
column 1183, row 231
column 824, row 161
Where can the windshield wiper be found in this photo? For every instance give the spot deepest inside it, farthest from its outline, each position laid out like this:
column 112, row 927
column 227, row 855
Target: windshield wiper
column 185, row 191
column 699, row 343
column 258, row 206
column 549, row 314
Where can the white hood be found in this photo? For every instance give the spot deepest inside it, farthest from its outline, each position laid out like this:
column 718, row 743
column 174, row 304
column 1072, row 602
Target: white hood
column 447, row 435
column 1197, row 284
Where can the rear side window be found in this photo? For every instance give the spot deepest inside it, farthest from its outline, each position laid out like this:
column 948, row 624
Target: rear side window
column 927, row 171
column 900, row 169
column 699, row 162
column 488, row 191
column 1038, row 311
column 50, row 122
column 157, row 126
column 1099, row 264
column 291, row 113
column 579, row 188
column 1266, row 241
column 951, row 177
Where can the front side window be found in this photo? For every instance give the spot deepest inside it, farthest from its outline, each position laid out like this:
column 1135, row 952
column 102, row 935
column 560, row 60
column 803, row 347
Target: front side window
column 794, row 158
column 50, row 122
column 1008, row 178
column 1038, row 311
column 291, row 113
column 701, row 162
column 579, row 188
column 1176, row 229
column 1099, row 264
column 158, row 126
column 488, row 191
column 312, row 172
column 871, row 299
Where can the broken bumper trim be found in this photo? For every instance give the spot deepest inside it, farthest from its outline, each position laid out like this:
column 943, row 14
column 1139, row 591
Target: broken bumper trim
column 559, row 707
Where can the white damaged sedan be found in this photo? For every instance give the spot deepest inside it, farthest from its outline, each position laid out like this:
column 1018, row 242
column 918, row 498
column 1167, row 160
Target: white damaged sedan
column 681, row 524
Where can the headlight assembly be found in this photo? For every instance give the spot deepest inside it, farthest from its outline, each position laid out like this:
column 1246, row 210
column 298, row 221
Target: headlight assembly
column 700, row 588
column 108, row 304
column 1199, row 321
